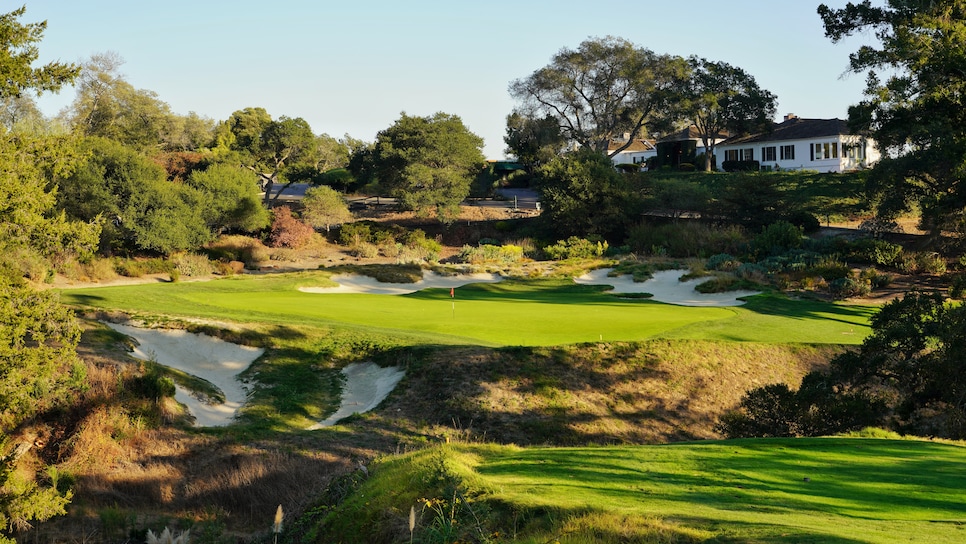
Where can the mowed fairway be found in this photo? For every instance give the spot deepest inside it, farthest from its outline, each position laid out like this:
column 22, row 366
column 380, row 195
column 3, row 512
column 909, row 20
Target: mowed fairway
column 839, row 490
column 516, row 312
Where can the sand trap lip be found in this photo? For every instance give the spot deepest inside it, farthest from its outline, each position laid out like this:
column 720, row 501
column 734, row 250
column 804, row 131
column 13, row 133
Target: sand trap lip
column 355, row 283
column 665, row 287
column 212, row 359
column 366, row 385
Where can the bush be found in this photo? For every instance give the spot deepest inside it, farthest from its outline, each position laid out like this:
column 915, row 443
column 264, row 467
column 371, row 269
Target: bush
column 352, row 234
column 193, row 265
column 485, row 254
column 778, row 237
column 685, row 239
column 874, row 251
column 848, row 287
column 575, row 248
column 831, row 269
column 931, row 263
column 722, row 261
column 287, row 231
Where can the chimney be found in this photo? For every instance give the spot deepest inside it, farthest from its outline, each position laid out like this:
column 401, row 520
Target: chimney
column 790, row 116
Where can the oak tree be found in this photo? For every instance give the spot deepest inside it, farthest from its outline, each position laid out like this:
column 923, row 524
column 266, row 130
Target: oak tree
column 722, row 99
column 914, row 105
column 604, row 89
column 426, row 163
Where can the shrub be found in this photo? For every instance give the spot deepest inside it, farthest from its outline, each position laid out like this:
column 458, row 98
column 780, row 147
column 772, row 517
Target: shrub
column 193, row 265
column 876, row 251
column 875, row 278
column 287, row 231
column 353, row 234
column 778, row 237
column 485, row 254
column 130, row 268
column 831, row 269
column 931, row 263
column 848, row 287
column 685, row 239
column 722, row 261
column 365, row 250
column 575, row 248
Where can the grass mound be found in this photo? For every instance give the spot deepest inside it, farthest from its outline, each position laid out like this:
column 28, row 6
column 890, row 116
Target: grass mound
column 778, row 490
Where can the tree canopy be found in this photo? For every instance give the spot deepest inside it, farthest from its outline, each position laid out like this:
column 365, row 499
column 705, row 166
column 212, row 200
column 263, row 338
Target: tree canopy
column 914, row 105
column 907, row 376
column 269, row 147
column 426, row 163
column 583, row 194
column 38, row 337
column 605, row 88
column 533, row 141
column 19, row 51
column 722, row 99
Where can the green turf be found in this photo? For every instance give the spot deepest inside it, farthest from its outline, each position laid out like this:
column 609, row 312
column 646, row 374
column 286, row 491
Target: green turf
column 838, row 490
column 517, row 312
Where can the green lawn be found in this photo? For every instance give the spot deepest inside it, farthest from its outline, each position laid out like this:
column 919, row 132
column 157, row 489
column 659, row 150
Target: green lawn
column 518, row 312
column 838, row 490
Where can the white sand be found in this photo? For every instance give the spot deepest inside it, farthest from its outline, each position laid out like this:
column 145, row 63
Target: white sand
column 212, row 359
column 665, row 287
column 354, row 283
column 366, row 385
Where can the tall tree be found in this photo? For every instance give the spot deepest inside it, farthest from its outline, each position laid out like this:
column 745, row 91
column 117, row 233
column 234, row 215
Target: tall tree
column 427, row 163
column 109, row 107
column 18, row 52
column 583, row 194
column 915, row 110
column 269, row 147
column 604, row 89
column 324, row 206
column 38, row 336
column 720, row 99
column 533, row 141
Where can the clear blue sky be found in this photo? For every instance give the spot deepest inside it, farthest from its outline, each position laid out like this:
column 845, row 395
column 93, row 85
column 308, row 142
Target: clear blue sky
column 351, row 66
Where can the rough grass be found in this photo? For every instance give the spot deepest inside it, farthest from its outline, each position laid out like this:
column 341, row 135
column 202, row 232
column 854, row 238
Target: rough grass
column 835, row 490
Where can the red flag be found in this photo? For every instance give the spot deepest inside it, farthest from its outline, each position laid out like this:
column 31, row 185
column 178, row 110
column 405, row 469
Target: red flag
column 452, row 293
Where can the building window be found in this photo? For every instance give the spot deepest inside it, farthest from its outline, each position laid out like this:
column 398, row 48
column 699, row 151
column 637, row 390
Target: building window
column 827, row 150
column 788, row 152
column 740, row 154
column 768, row 154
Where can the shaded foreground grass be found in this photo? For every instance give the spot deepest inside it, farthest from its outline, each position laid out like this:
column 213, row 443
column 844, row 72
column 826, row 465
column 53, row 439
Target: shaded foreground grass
column 514, row 312
column 838, row 490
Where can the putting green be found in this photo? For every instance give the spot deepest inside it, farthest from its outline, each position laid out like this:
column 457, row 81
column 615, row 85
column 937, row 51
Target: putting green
column 515, row 312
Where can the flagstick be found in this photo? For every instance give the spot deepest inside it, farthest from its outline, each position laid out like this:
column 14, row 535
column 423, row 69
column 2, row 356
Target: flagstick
column 454, row 309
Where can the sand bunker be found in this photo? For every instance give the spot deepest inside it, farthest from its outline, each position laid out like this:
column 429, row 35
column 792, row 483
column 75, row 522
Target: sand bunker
column 665, row 287
column 366, row 385
column 354, row 283
column 211, row 359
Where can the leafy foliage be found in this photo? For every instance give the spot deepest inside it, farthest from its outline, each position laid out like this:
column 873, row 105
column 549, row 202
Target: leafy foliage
column 908, row 376
column 583, row 195
column 17, row 42
column 603, row 89
column 324, row 207
column 288, row 231
column 723, row 99
column 426, row 163
column 916, row 112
